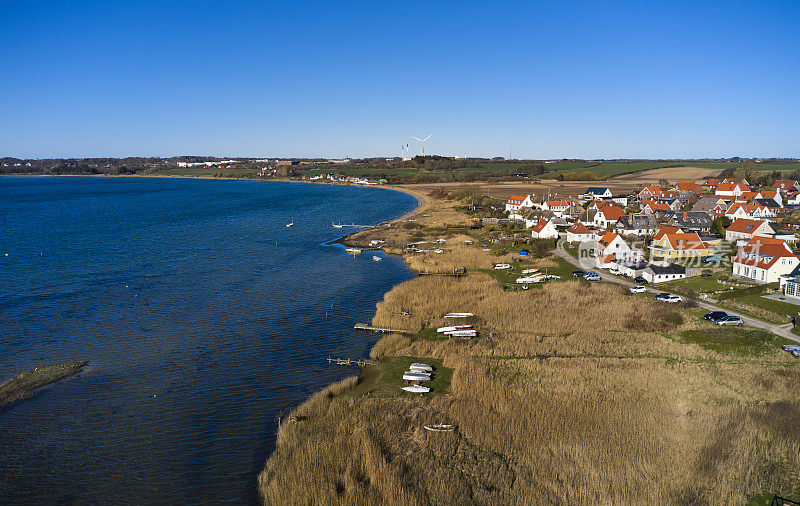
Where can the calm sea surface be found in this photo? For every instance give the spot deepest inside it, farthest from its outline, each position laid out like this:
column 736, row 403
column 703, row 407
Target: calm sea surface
column 202, row 316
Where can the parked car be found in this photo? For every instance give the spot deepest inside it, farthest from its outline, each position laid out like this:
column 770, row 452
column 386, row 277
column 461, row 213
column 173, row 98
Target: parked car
column 668, row 297
column 712, row 259
column 615, row 271
column 637, row 289
column 640, row 280
column 592, row 276
column 714, row 315
column 730, row 320
column 524, row 252
column 578, row 273
column 794, row 349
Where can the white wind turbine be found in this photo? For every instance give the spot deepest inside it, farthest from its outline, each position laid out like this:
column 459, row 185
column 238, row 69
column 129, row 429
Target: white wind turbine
column 422, row 143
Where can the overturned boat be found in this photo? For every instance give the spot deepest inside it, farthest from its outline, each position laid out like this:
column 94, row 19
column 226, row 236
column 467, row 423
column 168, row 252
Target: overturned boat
column 416, row 376
column 458, row 315
column 455, row 327
column 417, row 389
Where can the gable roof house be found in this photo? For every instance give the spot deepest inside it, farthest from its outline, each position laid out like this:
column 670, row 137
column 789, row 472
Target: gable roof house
column 636, row 224
column 713, row 206
column 596, row 192
column 786, row 185
column 650, row 192
column 557, row 207
column 710, row 184
column 731, row 189
column 607, row 216
column 746, row 229
column 692, row 222
column 676, row 246
column 770, row 195
column 695, row 188
column 515, row 202
column 655, row 273
column 749, row 211
column 544, row 229
column 651, row 206
column 579, row 233
column 610, row 248
column 764, row 260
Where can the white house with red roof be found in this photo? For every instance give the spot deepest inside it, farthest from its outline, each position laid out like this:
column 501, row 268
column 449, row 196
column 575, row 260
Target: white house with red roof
column 678, row 245
column 754, row 211
column 731, row 189
column 651, row 192
column 765, row 260
column 515, row 202
column 793, row 198
column 544, row 229
column 610, row 248
column 557, row 207
column 578, row 232
column 608, row 216
column 745, row 229
column 651, row 206
column 786, row 185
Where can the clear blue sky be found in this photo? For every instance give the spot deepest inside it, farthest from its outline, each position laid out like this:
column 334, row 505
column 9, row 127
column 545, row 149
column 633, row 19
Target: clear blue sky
column 549, row 80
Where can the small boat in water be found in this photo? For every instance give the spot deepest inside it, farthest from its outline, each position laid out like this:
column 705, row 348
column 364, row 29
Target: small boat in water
column 376, row 258
column 416, row 376
column 290, row 224
column 417, row 389
column 458, row 315
column 354, row 251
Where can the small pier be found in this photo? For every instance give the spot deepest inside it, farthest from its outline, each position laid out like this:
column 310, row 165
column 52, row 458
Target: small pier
column 350, row 361
column 351, row 225
column 456, row 272
column 364, row 326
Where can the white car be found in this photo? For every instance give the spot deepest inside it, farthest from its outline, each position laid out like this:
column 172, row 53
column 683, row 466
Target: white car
column 592, row 276
column 615, row 272
column 637, row 289
column 670, row 298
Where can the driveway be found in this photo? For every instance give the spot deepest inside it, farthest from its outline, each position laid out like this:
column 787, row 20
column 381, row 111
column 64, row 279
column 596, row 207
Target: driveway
column 780, row 330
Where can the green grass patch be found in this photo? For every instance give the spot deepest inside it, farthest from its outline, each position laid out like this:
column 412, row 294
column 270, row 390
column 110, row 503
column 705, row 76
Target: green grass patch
column 753, row 304
column 696, row 283
column 386, row 378
column 734, row 340
column 430, row 335
column 509, row 277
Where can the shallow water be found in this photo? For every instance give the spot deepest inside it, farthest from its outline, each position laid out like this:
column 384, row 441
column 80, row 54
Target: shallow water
column 202, row 316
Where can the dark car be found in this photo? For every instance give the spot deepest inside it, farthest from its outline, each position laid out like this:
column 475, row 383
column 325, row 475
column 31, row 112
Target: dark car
column 578, row 274
column 640, row 280
column 715, row 315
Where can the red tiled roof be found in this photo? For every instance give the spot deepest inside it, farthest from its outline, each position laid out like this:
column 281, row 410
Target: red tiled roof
column 579, row 228
column 540, row 225
column 685, row 241
column 612, row 213
column 772, row 249
column 557, row 203
column 518, row 198
column 666, row 230
column 744, row 225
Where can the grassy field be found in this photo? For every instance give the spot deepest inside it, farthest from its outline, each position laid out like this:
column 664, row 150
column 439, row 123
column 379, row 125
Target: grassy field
column 574, row 393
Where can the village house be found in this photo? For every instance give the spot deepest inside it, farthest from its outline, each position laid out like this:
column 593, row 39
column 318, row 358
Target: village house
column 695, row 188
column 789, row 284
column 515, row 202
column 636, row 224
column 595, row 193
column 786, row 185
column 745, row 229
column 731, row 189
column 579, row 233
column 544, row 229
column 793, row 198
column 710, row 184
column 655, row 273
column 611, row 248
column 651, row 206
column 692, row 222
column 755, row 211
column 713, row 206
column 557, row 207
column 678, row 246
column 651, row 192
column 608, row 216
column 765, row 260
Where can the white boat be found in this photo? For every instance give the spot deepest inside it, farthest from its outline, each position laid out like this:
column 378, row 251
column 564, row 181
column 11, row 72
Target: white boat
column 417, row 389
column 376, row 258
column 423, row 368
column 290, row 224
column 416, row 376
column 353, row 250
column 450, row 329
column 501, row 267
column 458, row 315
column 440, row 427
column 538, row 278
column 462, row 333
column 530, row 271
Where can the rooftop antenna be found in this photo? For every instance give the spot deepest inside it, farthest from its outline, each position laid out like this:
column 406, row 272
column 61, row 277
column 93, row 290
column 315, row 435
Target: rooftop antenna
column 422, row 144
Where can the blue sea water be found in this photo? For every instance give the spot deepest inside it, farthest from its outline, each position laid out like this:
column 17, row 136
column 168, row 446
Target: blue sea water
column 201, row 315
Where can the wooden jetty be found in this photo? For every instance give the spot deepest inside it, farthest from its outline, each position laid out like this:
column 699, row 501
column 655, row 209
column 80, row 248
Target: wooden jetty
column 456, row 272
column 351, row 225
column 364, row 326
column 350, row 361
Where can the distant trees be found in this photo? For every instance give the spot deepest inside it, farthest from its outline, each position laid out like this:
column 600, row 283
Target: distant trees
column 719, row 225
column 576, row 176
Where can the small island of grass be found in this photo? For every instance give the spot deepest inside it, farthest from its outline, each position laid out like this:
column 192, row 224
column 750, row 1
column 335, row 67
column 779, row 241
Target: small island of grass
column 24, row 385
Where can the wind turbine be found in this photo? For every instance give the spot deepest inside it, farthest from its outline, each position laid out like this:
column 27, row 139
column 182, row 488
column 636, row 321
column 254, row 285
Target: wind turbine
column 422, row 144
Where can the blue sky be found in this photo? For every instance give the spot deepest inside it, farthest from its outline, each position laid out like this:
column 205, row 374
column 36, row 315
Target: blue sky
column 547, row 80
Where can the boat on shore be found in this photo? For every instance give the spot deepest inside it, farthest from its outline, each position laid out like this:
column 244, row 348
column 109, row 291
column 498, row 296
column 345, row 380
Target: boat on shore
column 500, row 267
column 416, row 376
column 423, row 368
column 416, row 389
column 440, row 427
column 456, row 327
column 462, row 333
column 458, row 315
column 534, row 270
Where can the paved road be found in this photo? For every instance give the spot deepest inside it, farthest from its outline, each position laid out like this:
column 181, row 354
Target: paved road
column 780, row 330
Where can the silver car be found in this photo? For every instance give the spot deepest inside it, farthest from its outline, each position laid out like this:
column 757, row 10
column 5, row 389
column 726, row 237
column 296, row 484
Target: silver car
column 730, row 320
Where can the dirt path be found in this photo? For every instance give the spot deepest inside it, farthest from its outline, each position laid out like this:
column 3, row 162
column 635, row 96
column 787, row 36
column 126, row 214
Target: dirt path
column 780, row 330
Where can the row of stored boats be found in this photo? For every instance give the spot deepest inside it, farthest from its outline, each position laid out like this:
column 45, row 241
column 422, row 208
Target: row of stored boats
column 417, row 372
